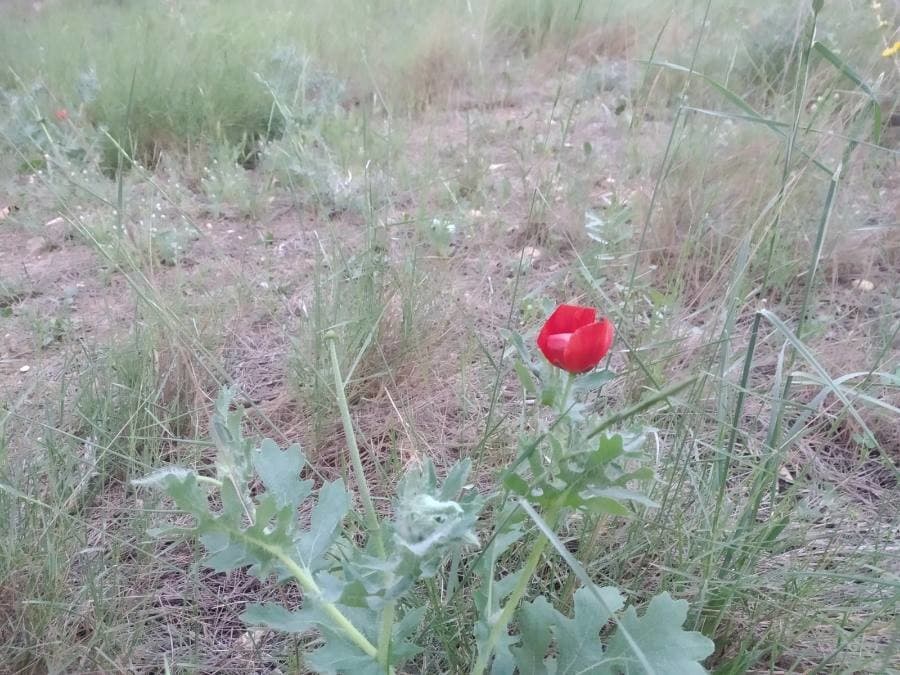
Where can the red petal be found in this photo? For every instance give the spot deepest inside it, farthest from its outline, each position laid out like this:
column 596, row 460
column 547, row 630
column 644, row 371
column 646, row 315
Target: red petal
column 565, row 319
column 588, row 345
column 569, row 318
column 555, row 348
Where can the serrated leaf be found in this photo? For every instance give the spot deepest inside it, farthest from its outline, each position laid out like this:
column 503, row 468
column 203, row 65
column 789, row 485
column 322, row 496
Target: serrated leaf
column 233, row 458
column 161, row 478
column 333, row 504
column 456, row 480
column 593, row 381
column 549, row 393
column 668, row 648
column 503, row 663
column 578, row 638
column 608, row 449
column 279, row 618
column 223, row 554
column 402, row 647
column 188, row 495
column 491, row 593
column 235, row 497
column 519, row 345
column 280, row 473
column 516, row 484
column 352, row 589
column 619, row 494
column 497, row 547
column 428, row 521
column 526, row 379
column 338, row 656
column 601, row 506
column 578, row 648
column 225, row 426
column 535, row 619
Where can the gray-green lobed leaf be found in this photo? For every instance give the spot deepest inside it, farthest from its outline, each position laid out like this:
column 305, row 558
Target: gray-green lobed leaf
column 327, row 515
column 668, row 648
column 276, row 617
column 280, row 473
column 551, row 643
column 161, row 478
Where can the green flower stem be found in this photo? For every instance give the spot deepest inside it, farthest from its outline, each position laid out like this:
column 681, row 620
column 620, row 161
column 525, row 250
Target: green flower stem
column 310, row 586
column 531, row 563
column 384, row 637
column 512, row 602
column 567, row 391
column 358, row 472
column 387, row 616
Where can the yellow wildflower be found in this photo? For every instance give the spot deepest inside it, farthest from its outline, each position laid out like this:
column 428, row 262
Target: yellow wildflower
column 890, row 51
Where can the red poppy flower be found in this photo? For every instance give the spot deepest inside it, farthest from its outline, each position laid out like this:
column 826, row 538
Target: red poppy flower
column 574, row 339
column 62, row 114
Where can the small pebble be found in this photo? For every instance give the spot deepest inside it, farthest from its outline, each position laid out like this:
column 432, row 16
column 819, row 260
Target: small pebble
column 531, row 254
column 862, row 285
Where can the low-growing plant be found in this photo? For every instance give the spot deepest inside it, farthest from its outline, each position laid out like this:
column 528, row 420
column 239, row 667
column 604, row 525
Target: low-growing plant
column 228, row 186
column 360, row 572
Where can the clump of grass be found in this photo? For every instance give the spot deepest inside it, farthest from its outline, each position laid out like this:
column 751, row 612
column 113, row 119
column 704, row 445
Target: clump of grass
column 126, row 405
column 377, row 308
column 210, row 81
column 13, row 291
column 776, row 506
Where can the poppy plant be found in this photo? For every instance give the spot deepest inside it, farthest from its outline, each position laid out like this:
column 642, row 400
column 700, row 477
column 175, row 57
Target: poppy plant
column 62, row 114
column 574, row 339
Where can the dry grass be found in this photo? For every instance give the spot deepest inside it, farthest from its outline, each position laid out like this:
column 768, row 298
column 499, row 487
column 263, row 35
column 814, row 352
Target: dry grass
column 512, row 154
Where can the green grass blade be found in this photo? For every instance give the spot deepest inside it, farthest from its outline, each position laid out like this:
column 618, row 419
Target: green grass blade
column 810, row 358
column 584, row 578
column 737, row 101
column 854, row 77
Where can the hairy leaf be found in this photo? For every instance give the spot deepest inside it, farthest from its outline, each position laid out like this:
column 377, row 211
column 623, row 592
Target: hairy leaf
column 280, row 473
column 594, row 381
column 578, row 646
column 339, row 655
column 669, row 649
column 491, row 593
column 577, row 639
column 333, row 504
column 554, row 644
column 161, row 477
column 535, row 620
column 280, row 618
